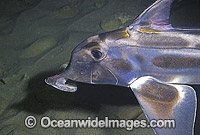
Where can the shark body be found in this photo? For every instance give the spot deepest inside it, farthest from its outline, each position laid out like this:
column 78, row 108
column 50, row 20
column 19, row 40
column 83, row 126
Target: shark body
column 152, row 58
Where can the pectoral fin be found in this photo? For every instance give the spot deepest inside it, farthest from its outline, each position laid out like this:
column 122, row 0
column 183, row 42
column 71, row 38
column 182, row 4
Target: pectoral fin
column 166, row 101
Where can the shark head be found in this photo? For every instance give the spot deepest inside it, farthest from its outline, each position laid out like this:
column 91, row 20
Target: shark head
column 96, row 60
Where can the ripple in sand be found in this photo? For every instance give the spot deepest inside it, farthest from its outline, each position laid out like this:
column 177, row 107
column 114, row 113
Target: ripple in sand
column 99, row 4
column 68, row 11
column 108, row 25
column 40, row 46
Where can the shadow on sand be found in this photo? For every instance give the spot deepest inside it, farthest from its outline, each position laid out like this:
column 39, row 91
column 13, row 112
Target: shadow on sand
column 41, row 97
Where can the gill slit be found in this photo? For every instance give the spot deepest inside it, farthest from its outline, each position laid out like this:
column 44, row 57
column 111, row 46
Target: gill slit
column 91, row 76
column 113, row 75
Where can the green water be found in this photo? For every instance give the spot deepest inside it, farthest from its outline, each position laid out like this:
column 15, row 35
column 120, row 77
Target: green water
column 36, row 39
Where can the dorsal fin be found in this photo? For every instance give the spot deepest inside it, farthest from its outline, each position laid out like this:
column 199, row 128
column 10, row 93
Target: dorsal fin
column 155, row 17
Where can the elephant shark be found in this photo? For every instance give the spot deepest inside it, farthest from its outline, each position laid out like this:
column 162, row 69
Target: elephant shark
column 154, row 59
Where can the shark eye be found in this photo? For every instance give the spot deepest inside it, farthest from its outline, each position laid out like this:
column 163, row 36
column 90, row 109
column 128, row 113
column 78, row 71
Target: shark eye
column 97, row 54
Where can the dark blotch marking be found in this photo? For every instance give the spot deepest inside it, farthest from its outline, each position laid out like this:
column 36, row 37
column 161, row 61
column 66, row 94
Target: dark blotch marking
column 121, row 64
column 157, row 41
column 102, row 75
column 91, row 44
column 176, row 62
column 159, row 97
column 85, row 45
column 159, row 92
column 139, row 58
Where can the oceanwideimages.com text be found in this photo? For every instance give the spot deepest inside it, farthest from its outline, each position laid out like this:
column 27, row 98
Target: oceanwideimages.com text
column 47, row 122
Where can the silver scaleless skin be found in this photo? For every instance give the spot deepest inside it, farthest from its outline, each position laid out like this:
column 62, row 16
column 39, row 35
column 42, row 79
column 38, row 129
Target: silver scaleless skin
column 152, row 58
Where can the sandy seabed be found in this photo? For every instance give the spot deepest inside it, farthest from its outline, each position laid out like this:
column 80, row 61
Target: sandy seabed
column 36, row 39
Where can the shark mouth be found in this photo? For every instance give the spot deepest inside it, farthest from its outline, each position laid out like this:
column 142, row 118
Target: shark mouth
column 67, row 80
column 61, row 83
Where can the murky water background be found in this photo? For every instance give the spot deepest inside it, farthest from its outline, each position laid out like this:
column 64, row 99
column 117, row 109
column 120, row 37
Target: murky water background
column 36, row 39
